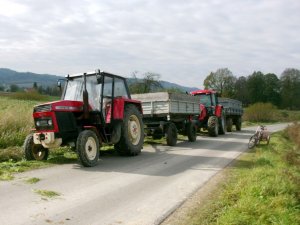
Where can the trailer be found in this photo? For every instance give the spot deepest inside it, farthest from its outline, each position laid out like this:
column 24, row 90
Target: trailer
column 233, row 113
column 167, row 114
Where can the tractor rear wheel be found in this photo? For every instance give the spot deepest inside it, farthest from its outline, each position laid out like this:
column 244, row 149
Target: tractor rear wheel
column 171, row 134
column 33, row 151
column 229, row 124
column 191, row 132
column 212, row 126
column 88, row 148
column 132, row 133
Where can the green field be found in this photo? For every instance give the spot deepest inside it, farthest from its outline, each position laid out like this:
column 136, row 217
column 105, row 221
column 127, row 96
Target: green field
column 261, row 187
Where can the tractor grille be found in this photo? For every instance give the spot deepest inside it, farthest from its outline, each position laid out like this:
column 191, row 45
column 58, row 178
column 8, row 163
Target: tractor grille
column 42, row 108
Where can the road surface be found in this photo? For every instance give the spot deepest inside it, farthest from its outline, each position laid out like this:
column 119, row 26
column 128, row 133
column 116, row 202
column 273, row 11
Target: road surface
column 138, row 190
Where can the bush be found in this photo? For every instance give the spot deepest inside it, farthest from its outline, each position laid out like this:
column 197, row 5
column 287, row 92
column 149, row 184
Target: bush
column 260, row 112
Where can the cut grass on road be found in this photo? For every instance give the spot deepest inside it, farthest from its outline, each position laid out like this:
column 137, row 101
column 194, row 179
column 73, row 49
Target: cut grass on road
column 261, row 187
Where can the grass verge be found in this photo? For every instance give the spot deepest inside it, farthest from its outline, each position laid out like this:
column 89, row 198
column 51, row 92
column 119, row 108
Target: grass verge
column 16, row 163
column 47, row 194
column 261, row 187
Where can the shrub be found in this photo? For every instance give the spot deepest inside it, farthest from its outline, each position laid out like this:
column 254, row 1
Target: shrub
column 260, row 112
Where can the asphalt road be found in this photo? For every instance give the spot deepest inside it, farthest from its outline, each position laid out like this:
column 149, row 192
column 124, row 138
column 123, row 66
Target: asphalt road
column 138, row 190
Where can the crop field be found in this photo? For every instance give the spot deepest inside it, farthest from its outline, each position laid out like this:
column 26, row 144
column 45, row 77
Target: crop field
column 15, row 121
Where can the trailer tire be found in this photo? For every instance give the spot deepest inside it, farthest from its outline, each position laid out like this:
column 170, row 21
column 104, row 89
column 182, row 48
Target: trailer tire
column 157, row 134
column 229, row 125
column 88, row 148
column 191, row 131
column 212, row 126
column 238, row 124
column 222, row 124
column 171, row 134
column 132, row 133
column 33, row 151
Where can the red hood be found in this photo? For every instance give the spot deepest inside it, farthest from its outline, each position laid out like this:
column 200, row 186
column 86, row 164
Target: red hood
column 61, row 106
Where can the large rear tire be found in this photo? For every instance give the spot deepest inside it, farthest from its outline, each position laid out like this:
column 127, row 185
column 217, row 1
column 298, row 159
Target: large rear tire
column 212, row 126
column 33, row 151
column 191, row 131
column 171, row 134
column 132, row 133
column 88, row 148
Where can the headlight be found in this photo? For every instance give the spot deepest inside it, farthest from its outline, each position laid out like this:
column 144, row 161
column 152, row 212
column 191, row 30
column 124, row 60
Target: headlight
column 50, row 122
column 38, row 123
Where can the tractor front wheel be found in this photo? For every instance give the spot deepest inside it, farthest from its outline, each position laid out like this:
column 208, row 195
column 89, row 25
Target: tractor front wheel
column 212, row 126
column 33, row 151
column 88, row 148
column 132, row 135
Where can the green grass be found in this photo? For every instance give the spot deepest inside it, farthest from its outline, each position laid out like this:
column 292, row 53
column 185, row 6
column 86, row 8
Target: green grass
column 47, row 194
column 262, row 187
column 57, row 156
column 32, row 180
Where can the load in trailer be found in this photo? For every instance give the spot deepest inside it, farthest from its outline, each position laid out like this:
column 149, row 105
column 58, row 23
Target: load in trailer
column 95, row 108
column 167, row 114
column 218, row 114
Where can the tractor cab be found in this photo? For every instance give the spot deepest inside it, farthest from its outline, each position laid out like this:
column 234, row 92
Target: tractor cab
column 95, row 108
column 211, row 116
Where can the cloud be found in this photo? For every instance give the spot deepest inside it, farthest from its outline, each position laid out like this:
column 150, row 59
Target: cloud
column 181, row 40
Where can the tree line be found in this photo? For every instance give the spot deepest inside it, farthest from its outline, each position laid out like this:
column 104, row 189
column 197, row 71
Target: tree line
column 283, row 91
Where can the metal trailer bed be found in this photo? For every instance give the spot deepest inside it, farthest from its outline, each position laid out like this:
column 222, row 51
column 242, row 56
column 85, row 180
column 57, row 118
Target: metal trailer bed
column 169, row 113
column 233, row 112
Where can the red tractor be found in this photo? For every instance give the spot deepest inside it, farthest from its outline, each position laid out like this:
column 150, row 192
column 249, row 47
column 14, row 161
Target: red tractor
column 212, row 116
column 95, row 108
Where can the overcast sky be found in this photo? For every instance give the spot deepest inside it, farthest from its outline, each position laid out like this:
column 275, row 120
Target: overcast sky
column 183, row 40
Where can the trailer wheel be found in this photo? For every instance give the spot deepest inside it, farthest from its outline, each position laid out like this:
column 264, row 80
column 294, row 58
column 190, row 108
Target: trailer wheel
column 238, row 124
column 132, row 135
column 222, row 124
column 157, row 134
column 212, row 126
column 229, row 124
column 33, row 151
column 191, row 132
column 88, row 148
column 171, row 134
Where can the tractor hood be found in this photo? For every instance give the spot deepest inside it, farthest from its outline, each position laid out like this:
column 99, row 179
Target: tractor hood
column 60, row 106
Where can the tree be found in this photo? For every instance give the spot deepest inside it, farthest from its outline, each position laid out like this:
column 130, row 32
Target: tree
column 149, row 83
column 35, row 86
column 272, row 89
column 14, row 88
column 256, row 87
column 290, row 88
column 241, row 91
column 222, row 81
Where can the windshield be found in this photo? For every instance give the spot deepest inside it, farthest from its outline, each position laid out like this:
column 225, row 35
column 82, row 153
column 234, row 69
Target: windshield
column 205, row 100
column 74, row 90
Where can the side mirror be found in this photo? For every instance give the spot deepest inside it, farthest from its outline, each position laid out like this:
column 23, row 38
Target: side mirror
column 59, row 84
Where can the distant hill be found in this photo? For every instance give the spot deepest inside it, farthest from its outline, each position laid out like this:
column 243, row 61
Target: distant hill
column 26, row 79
